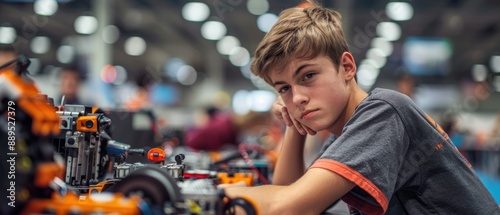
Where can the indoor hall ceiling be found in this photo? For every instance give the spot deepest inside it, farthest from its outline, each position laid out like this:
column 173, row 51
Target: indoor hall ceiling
column 472, row 28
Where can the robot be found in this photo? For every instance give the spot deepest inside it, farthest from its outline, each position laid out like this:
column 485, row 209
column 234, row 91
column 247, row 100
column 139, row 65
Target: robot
column 57, row 152
column 82, row 144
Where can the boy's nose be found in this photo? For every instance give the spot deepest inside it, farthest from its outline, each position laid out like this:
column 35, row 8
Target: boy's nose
column 300, row 97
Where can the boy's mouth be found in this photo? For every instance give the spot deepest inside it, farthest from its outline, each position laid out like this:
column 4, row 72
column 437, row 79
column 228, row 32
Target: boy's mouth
column 307, row 114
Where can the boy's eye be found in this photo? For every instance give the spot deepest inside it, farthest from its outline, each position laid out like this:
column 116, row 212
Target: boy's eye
column 283, row 89
column 308, row 76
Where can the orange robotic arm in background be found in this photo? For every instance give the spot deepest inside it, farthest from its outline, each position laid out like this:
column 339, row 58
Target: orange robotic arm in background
column 22, row 94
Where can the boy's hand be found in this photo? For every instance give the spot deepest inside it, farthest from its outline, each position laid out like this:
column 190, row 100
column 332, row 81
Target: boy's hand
column 281, row 112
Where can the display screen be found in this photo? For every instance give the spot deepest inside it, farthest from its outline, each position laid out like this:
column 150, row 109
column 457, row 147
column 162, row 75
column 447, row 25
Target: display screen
column 427, row 56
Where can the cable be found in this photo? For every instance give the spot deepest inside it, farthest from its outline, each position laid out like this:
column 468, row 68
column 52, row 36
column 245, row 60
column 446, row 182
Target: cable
column 243, row 150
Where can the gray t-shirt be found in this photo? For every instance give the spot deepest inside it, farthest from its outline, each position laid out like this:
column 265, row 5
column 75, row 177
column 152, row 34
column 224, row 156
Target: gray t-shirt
column 403, row 162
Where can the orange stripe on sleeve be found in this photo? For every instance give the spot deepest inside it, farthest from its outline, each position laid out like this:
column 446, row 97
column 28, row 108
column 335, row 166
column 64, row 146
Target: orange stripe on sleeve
column 361, row 182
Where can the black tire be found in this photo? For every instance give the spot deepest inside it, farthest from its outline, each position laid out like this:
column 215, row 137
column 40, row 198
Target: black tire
column 155, row 186
column 248, row 207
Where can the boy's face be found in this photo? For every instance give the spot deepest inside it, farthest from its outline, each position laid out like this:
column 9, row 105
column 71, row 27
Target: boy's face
column 314, row 92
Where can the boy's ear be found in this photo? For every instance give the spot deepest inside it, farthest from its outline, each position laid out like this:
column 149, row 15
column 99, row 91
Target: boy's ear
column 347, row 61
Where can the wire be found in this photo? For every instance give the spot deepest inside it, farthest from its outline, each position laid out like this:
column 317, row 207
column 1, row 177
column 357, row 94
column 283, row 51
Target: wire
column 243, row 150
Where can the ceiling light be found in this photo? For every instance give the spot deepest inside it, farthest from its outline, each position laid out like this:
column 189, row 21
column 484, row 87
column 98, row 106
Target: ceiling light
column 389, row 30
column 226, row 44
column 368, row 72
column 257, row 7
column 85, row 24
column 195, row 11
column 378, row 57
column 479, row 72
column 370, row 62
column 135, row 46
column 245, row 71
column 7, row 35
column 45, row 7
column 186, row 75
column 40, row 45
column 213, row 30
column 266, row 21
column 382, row 44
column 495, row 63
column 367, row 75
column 399, row 11
column 110, row 34
column 65, row 54
column 239, row 56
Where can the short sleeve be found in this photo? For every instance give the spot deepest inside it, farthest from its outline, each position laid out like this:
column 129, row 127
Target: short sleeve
column 369, row 152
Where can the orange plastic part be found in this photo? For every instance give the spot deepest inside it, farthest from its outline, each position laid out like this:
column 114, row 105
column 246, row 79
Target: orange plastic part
column 87, row 124
column 109, row 203
column 95, row 109
column 101, row 186
column 46, row 172
column 214, row 155
column 156, row 155
column 43, row 115
column 225, row 178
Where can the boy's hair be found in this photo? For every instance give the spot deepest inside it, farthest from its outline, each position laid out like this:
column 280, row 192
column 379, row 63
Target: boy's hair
column 300, row 33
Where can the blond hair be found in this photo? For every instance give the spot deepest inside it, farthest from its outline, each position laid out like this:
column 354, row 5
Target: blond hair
column 303, row 33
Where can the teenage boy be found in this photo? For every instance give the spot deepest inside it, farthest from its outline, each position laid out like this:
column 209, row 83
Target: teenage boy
column 389, row 157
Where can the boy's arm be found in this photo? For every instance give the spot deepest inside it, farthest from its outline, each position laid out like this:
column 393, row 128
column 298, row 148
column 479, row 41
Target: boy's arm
column 290, row 164
column 311, row 194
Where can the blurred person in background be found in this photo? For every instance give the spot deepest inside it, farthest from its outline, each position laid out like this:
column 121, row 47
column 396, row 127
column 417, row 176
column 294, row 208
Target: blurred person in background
column 213, row 130
column 141, row 98
column 495, row 132
column 170, row 139
column 70, row 82
column 450, row 126
column 406, row 84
